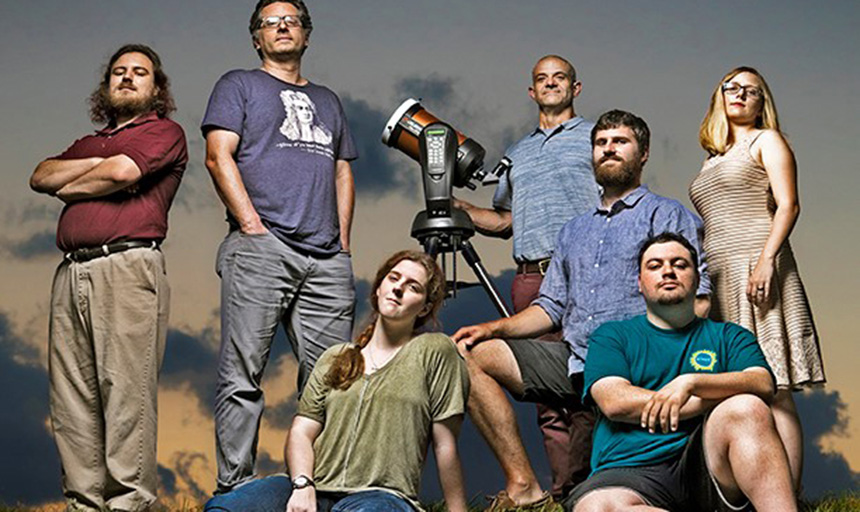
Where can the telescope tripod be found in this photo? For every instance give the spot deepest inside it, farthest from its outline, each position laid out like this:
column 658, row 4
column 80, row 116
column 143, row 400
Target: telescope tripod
column 442, row 235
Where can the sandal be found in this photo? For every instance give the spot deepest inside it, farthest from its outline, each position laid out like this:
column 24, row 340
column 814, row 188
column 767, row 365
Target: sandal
column 502, row 502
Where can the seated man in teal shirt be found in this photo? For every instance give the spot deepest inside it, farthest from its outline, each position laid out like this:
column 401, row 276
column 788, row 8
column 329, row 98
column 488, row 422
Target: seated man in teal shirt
column 685, row 421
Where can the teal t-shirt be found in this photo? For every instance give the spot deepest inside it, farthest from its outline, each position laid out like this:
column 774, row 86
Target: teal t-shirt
column 650, row 357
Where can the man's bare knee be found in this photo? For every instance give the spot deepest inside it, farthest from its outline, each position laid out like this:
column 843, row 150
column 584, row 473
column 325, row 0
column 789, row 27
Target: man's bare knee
column 741, row 412
column 494, row 359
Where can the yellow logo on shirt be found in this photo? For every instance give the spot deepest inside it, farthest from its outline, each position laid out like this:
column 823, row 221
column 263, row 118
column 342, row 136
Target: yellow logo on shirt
column 703, row 360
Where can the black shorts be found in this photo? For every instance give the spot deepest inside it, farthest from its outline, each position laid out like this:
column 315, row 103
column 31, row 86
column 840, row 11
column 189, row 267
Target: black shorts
column 681, row 484
column 543, row 367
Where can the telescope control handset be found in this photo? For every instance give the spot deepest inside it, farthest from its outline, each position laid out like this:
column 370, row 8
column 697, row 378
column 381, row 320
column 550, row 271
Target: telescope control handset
column 438, row 158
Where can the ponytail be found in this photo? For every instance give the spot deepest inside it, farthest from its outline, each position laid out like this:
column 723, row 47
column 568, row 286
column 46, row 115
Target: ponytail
column 348, row 365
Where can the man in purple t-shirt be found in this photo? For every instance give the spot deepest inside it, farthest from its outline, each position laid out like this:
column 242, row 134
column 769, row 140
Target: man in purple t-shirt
column 110, row 299
column 278, row 149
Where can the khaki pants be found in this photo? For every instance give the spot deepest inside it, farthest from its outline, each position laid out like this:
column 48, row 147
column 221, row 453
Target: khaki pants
column 107, row 339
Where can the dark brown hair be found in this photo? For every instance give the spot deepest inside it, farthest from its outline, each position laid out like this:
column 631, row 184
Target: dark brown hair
column 666, row 237
column 618, row 118
column 348, row 365
column 101, row 110
column 304, row 17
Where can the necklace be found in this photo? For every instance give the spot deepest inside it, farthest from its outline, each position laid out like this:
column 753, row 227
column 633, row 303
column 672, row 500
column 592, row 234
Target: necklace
column 374, row 366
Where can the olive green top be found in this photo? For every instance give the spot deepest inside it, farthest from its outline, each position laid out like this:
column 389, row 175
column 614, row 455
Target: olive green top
column 376, row 433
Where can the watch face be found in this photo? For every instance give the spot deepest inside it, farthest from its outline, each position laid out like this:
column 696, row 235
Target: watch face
column 300, row 482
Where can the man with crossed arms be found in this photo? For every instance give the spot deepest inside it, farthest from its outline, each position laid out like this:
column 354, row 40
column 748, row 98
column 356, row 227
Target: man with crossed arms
column 685, row 421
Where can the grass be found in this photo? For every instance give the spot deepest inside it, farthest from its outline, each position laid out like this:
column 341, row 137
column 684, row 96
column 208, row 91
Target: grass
column 847, row 502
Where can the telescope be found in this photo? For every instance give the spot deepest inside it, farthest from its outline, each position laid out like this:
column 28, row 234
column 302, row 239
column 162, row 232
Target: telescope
column 448, row 159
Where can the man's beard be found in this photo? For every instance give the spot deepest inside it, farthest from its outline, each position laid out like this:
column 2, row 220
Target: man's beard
column 670, row 299
column 130, row 107
column 620, row 176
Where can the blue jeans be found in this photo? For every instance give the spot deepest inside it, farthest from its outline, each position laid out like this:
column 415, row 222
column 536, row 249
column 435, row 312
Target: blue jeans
column 271, row 494
column 264, row 282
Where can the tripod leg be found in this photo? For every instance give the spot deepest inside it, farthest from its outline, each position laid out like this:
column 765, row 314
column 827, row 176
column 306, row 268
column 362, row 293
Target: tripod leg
column 474, row 261
column 431, row 246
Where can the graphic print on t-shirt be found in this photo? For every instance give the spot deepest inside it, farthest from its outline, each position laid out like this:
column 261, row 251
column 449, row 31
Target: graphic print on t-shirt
column 302, row 126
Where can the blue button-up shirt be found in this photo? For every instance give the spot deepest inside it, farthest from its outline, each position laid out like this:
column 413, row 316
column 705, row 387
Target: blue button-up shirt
column 551, row 182
column 593, row 276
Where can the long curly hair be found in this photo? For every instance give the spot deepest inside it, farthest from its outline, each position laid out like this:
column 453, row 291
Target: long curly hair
column 348, row 365
column 714, row 133
column 101, row 110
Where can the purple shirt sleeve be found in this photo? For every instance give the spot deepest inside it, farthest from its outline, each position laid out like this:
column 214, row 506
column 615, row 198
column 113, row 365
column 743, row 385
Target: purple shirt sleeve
column 226, row 108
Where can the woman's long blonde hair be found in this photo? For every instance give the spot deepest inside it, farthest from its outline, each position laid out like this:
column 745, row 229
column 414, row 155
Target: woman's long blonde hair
column 348, row 365
column 714, row 134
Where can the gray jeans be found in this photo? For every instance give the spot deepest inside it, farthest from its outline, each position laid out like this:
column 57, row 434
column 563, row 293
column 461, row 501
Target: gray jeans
column 264, row 282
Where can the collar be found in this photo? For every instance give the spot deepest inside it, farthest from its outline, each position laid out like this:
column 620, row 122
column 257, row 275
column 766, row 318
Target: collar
column 570, row 124
column 628, row 201
column 145, row 118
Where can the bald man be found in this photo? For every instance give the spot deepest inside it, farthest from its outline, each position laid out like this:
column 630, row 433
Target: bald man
column 550, row 182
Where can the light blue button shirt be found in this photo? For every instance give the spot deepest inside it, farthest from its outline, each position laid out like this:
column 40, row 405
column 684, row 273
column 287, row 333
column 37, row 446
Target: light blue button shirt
column 593, row 276
column 551, row 182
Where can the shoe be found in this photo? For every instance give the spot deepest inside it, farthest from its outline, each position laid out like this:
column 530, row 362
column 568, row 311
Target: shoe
column 502, row 502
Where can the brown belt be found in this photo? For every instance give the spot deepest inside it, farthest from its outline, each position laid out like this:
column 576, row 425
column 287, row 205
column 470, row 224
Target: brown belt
column 533, row 267
column 90, row 253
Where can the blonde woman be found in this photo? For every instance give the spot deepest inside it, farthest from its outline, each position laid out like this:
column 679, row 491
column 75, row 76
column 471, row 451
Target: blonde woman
column 747, row 196
column 371, row 408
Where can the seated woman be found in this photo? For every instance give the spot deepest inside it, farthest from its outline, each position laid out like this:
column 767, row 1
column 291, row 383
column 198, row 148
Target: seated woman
column 370, row 410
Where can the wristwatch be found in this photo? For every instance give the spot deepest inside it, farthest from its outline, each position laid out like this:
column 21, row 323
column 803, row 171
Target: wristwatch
column 301, row 481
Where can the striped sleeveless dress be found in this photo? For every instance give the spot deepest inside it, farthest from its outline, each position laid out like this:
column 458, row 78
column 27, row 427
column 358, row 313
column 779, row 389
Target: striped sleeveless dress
column 732, row 195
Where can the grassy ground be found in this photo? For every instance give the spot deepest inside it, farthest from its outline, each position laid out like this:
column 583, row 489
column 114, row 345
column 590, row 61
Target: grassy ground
column 848, row 502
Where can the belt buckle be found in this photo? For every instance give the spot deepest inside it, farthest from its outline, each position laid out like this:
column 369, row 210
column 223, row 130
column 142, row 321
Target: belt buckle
column 543, row 265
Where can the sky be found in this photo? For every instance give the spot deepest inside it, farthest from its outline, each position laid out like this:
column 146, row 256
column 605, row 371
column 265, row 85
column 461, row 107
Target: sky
column 470, row 65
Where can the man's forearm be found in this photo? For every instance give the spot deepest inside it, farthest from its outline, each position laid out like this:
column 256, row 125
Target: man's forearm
column 111, row 175
column 53, row 174
column 345, row 188
column 231, row 190
column 488, row 222
column 531, row 322
column 718, row 386
column 623, row 402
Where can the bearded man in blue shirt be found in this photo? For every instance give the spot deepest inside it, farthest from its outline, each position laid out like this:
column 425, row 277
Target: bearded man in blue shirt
column 592, row 279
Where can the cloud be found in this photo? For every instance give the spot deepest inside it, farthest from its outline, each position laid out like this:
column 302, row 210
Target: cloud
column 379, row 169
column 31, row 471
column 266, row 465
column 185, row 464
column 37, row 245
column 191, row 360
column 823, row 414
column 32, row 210
column 433, row 89
column 167, row 481
column 362, row 302
column 280, row 415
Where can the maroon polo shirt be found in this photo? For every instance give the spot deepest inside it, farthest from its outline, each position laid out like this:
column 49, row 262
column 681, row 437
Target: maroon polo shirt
column 158, row 148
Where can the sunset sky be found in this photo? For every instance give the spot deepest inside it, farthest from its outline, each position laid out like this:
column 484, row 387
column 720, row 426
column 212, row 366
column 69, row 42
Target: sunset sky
column 470, row 62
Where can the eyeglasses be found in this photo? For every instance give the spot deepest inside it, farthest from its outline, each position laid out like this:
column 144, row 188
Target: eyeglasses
column 275, row 21
column 735, row 89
